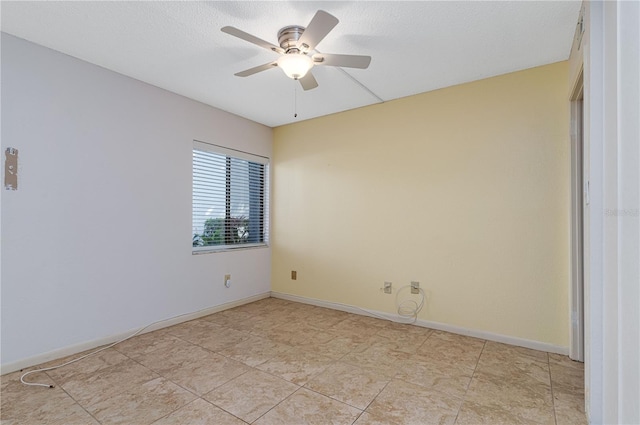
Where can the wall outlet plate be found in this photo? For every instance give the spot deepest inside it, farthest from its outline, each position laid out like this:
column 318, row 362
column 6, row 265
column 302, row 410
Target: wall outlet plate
column 387, row 287
column 415, row 287
column 11, row 169
column 227, row 280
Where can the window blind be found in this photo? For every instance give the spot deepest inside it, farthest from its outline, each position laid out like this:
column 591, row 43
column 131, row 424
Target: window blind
column 229, row 199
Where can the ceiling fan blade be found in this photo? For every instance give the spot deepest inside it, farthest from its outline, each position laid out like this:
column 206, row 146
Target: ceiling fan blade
column 343, row 61
column 251, row 39
column 256, row 69
column 321, row 24
column 308, row 82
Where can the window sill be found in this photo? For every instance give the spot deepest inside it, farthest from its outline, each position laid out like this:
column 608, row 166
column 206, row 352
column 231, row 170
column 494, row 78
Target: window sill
column 227, row 248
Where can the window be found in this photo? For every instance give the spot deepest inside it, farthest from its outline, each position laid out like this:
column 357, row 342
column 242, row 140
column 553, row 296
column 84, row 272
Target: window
column 229, row 199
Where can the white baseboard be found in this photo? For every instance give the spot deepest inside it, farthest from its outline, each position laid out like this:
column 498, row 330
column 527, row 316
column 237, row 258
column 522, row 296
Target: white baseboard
column 88, row 345
column 490, row 336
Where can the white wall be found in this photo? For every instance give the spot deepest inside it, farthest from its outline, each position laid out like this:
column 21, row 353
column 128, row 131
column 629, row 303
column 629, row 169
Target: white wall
column 97, row 239
column 612, row 249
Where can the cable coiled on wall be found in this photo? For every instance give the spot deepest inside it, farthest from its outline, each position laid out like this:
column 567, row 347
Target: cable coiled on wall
column 409, row 308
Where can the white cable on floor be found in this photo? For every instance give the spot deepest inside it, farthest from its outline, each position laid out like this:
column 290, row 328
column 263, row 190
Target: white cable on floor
column 402, row 307
column 100, row 349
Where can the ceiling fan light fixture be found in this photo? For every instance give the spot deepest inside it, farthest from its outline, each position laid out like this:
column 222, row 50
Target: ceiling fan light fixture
column 296, row 45
column 295, row 65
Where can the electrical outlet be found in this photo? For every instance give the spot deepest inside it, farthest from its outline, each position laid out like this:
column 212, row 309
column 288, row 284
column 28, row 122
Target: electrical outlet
column 294, row 275
column 387, row 287
column 415, row 287
column 227, row 280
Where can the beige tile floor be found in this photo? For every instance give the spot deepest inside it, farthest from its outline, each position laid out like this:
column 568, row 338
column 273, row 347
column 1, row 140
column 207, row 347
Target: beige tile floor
column 279, row 362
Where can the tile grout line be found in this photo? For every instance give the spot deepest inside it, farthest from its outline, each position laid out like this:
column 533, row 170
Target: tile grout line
column 255, row 368
column 252, row 369
column 220, row 407
column 333, row 398
column 374, row 399
column 553, row 401
column 277, row 404
column 464, row 397
column 173, row 411
column 168, row 379
column 71, row 397
column 198, row 396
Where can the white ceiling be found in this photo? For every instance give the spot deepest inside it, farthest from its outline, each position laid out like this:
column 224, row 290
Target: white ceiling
column 415, row 46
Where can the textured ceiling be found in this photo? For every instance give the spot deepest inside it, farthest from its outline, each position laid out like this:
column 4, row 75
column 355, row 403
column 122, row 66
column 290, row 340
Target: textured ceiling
column 415, row 46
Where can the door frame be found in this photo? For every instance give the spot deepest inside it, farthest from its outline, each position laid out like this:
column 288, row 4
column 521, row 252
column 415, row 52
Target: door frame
column 579, row 196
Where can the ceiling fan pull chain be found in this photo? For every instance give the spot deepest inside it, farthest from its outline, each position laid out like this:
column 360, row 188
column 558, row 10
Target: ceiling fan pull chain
column 295, row 100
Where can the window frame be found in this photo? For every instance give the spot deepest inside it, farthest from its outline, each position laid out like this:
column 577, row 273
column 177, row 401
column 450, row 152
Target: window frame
column 230, row 154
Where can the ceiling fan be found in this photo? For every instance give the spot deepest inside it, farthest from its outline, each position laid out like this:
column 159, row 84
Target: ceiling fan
column 296, row 44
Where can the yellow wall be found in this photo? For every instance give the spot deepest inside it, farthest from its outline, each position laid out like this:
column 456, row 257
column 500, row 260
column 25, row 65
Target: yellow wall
column 464, row 189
